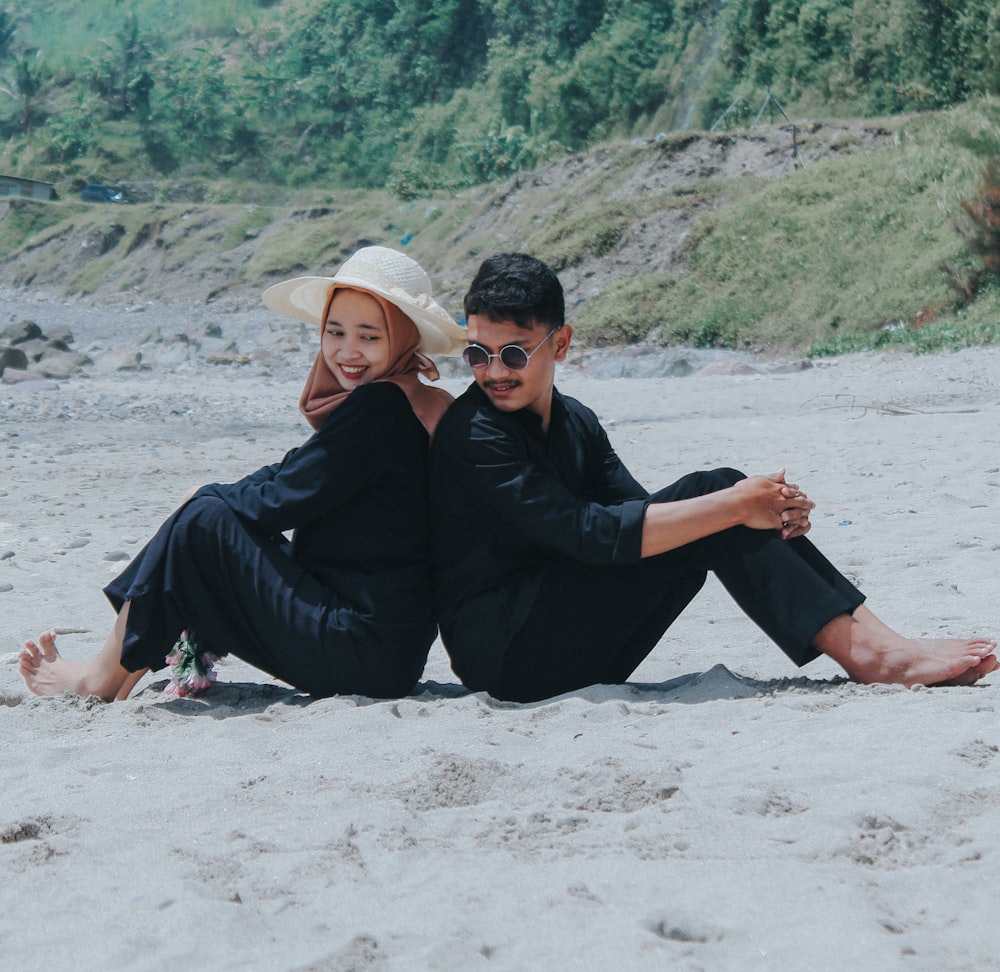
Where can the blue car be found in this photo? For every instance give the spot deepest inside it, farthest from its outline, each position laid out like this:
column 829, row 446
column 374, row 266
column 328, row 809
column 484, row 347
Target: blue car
column 98, row 193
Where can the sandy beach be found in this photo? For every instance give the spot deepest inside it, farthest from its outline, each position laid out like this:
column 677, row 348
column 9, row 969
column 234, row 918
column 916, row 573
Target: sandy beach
column 724, row 811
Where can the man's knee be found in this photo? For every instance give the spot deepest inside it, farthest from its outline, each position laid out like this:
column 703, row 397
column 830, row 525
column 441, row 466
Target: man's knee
column 721, row 478
column 699, row 483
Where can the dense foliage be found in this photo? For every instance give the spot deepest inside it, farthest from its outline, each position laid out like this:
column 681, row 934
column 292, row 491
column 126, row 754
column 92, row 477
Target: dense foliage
column 879, row 56
column 415, row 94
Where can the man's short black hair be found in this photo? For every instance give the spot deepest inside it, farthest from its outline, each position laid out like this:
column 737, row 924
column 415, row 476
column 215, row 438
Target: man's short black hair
column 519, row 288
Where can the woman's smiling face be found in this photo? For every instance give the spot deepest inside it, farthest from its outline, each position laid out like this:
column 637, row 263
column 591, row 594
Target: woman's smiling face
column 355, row 339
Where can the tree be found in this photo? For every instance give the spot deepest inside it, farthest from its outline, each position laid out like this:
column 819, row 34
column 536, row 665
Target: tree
column 120, row 75
column 984, row 214
column 8, row 30
column 981, row 231
column 27, row 83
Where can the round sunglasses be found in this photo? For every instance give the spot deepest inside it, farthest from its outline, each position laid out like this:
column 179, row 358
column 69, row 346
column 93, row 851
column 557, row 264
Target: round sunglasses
column 512, row 356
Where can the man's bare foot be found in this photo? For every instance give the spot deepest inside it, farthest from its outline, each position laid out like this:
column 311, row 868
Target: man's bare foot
column 931, row 661
column 976, row 672
column 46, row 672
column 870, row 652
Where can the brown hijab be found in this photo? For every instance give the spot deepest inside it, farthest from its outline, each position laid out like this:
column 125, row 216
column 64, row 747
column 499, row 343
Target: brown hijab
column 323, row 393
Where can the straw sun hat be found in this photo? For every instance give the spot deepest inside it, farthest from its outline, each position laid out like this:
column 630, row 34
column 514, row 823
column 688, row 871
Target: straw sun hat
column 388, row 273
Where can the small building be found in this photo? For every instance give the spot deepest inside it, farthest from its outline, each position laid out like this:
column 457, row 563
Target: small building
column 26, row 188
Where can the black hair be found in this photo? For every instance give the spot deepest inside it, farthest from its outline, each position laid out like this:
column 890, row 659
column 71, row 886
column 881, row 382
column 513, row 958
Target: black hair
column 519, row 288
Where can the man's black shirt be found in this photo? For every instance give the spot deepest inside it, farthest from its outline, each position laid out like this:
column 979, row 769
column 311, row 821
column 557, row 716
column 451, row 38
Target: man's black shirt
column 505, row 499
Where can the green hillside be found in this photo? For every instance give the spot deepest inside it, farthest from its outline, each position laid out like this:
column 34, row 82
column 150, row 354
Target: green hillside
column 726, row 240
column 414, row 95
column 259, row 139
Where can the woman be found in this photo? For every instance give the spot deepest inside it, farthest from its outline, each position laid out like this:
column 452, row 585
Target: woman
column 345, row 607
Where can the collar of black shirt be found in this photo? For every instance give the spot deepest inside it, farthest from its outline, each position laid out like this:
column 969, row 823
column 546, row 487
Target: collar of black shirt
column 529, row 420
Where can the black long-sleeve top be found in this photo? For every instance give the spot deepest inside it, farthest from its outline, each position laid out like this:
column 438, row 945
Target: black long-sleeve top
column 354, row 496
column 505, row 498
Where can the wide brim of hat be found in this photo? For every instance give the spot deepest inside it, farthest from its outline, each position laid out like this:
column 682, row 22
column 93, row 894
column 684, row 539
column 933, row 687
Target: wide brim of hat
column 305, row 297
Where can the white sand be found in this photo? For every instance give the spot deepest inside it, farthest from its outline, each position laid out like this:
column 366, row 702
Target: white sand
column 724, row 812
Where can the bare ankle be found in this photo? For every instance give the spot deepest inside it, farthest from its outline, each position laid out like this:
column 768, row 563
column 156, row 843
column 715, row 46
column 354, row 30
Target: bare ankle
column 874, row 653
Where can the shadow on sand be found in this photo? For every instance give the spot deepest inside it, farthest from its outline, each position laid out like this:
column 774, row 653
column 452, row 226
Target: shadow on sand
column 228, row 699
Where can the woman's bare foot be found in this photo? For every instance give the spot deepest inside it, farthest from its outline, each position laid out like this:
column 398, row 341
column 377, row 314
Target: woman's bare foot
column 871, row 652
column 46, row 672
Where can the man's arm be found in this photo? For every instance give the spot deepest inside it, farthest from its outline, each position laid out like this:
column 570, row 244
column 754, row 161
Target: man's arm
column 758, row 502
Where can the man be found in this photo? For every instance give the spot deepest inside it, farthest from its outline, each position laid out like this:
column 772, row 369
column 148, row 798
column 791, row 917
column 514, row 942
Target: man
column 555, row 569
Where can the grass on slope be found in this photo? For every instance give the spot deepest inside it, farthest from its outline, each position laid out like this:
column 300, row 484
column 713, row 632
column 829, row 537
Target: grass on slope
column 840, row 255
